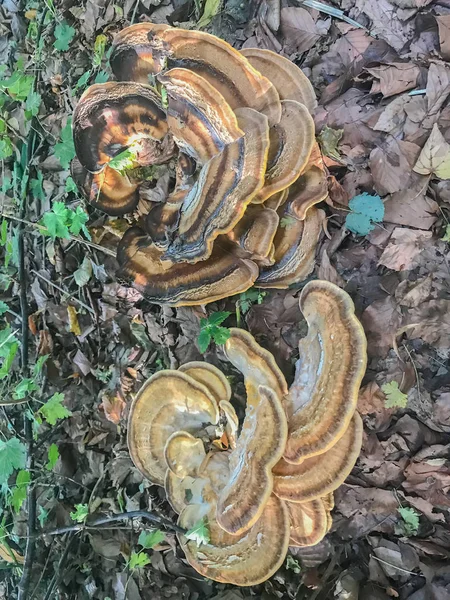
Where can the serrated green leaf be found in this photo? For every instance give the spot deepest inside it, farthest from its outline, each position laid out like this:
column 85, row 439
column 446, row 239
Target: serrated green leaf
column 24, row 388
column 83, row 80
column 84, row 272
column 18, row 85
column 101, row 77
column 220, row 334
column 410, row 525
column 199, row 533
column 37, row 369
column 71, row 186
column 218, row 318
column 55, row 221
column 138, row 560
column 77, row 222
column 53, row 409
column 64, row 34
column 32, row 104
column 394, row 397
column 124, row 160
column 19, row 492
column 65, row 149
column 149, row 539
column 6, row 148
column 80, row 513
column 12, row 456
column 52, row 455
column 366, row 210
column 204, row 339
column 37, row 187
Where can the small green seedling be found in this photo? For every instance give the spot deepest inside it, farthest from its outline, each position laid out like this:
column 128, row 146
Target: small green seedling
column 210, row 330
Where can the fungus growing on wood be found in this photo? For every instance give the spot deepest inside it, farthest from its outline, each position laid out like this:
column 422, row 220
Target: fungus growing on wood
column 255, row 502
column 240, row 138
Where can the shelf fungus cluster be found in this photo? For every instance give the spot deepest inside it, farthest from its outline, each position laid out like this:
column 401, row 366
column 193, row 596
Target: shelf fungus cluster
column 267, row 484
column 247, row 172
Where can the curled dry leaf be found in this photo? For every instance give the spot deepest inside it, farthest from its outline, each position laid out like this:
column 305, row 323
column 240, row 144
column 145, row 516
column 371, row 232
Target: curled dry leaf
column 434, row 158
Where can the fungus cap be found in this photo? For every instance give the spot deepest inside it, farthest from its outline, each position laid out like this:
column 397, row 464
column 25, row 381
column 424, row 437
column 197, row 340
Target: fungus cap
column 323, row 397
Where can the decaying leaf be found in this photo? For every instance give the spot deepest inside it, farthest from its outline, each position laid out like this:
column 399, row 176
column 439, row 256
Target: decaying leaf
column 435, row 156
column 404, row 246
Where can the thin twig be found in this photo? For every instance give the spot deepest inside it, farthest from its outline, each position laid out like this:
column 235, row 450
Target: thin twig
column 63, row 291
column 134, row 514
column 393, row 566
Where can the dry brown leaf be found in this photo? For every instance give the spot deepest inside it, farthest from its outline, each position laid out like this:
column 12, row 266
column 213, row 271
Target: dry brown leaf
column 410, row 206
column 432, row 321
column 393, row 116
column 327, row 270
column 410, row 3
column 435, row 156
column 385, row 23
column 396, row 77
column 390, row 167
column 299, row 29
column 113, row 407
column 443, row 22
column 438, row 90
column 380, row 320
column 404, row 246
column 74, row 325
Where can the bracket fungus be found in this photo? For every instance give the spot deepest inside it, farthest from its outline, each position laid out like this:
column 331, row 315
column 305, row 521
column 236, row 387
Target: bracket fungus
column 272, row 486
column 234, row 134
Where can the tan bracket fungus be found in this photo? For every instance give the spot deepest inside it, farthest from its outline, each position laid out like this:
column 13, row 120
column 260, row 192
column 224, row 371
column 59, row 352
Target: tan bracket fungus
column 241, row 141
column 254, row 502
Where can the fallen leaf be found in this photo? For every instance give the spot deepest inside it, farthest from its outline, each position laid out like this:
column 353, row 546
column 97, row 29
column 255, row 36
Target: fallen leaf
column 396, row 77
column 390, row 167
column 299, row 29
column 74, row 325
column 438, row 90
column 113, row 407
column 404, row 245
column 435, row 156
column 380, row 321
column 432, row 323
column 411, row 3
column 385, row 23
column 443, row 22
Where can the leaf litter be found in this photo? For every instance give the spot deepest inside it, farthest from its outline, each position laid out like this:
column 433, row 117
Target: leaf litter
column 383, row 122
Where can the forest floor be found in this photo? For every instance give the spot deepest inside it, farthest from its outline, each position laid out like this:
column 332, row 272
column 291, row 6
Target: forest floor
column 383, row 115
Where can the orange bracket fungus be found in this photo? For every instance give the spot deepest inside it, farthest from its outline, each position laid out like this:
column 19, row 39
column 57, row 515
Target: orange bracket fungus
column 272, row 486
column 233, row 133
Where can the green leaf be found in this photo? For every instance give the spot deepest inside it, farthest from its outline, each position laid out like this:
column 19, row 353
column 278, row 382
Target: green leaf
column 19, row 493
column 42, row 516
column 55, row 222
column 287, row 222
column 64, row 34
column 12, row 456
column 71, row 186
column 410, row 525
column 37, row 187
column 149, row 539
column 164, row 97
column 24, row 388
column 53, row 409
column 52, row 455
column 293, row 565
column 3, row 307
column 394, row 397
column 80, row 514
column 366, row 210
column 37, row 369
column 77, row 222
column 18, row 85
column 8, row 359
column 101, row 77
column 84, row 272
column 83, row 80
column 65, row 149
column 211, row 9
column 124, row 160
column 6, row 148
column 199, row 533
column 204, row 339
column 329, row 140
column 138, row 560
column 218, row 318
column 220, row 334
column 32, row 104
column 99, row 49
column 446, row 237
